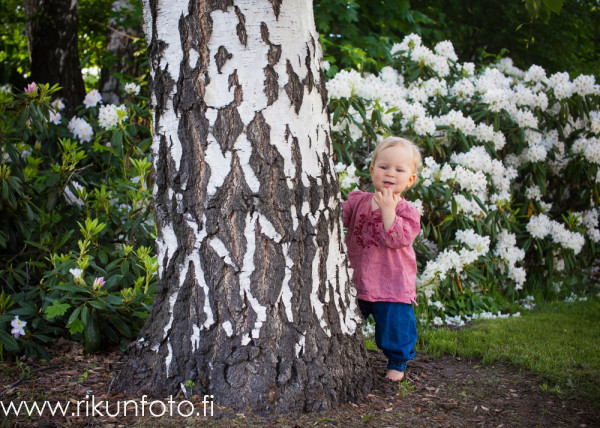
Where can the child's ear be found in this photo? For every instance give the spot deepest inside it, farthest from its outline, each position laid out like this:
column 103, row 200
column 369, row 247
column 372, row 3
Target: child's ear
column 411, row 180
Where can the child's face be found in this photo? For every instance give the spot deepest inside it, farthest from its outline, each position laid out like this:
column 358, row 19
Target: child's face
column 393, row 169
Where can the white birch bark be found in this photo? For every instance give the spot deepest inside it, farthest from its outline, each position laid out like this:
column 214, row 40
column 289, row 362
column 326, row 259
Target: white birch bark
column 254, row 300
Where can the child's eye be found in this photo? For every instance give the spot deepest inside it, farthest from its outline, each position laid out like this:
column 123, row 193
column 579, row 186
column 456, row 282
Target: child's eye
column 383, row 167
column 399, row 170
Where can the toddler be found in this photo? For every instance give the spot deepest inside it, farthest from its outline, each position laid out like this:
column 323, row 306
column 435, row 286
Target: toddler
column 381, row 229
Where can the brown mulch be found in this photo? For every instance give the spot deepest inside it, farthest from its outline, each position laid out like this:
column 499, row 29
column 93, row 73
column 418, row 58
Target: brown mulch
column 442, row 392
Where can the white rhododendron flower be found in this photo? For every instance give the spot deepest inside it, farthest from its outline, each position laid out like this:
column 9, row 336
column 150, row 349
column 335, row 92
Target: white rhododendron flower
column 535, row 74
column 80, row 129
column 132, row 88
column 585, row 85
column 74, row 199
column 110, row 115
column 446, row 49
column 463, row 89
column 561, row 85
column 92, row 98
column 54, row 117
column 76, row 272
column 58, row 104
column 18, row 327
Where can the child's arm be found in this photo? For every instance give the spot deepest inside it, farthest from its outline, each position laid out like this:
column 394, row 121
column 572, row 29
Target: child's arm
column 403, row 230
column 387, row 202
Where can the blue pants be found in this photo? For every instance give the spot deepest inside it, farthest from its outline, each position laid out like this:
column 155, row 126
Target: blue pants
column 395, row 331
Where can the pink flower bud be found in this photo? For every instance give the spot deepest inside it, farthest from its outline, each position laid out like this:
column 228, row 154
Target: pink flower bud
column 31, row 90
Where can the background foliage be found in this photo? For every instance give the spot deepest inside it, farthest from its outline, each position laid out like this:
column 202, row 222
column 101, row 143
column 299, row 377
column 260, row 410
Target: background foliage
column 77, row 237
column 359, row 33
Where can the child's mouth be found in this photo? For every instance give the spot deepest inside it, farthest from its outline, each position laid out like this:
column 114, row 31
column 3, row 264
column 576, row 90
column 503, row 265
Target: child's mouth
column 388, row 183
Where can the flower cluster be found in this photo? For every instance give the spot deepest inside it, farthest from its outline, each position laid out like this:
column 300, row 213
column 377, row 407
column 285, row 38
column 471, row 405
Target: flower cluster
column 80, row 129
column 132, row 88
column 540, row 226
column 450, row 260
column 506, row 151
column 347, row 176
column 111, row 115
column 92, row 98
column 460, row 320
column 507, row 250
column 18, row 327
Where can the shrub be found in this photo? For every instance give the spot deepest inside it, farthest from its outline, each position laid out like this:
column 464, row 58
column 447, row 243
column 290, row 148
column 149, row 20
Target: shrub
column 510, row 183
column 77, row 232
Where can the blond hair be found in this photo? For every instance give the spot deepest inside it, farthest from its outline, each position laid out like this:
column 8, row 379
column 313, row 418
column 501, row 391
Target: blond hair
column 398, row 141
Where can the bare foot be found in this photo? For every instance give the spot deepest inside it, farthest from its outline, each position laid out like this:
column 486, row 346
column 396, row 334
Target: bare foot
column 394, row 375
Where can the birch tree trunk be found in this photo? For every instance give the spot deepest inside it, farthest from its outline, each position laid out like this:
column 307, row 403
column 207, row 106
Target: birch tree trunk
column 254, row 303
column 52, row 40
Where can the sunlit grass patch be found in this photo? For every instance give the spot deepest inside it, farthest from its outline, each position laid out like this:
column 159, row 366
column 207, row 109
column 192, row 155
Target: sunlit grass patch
column 560, row 341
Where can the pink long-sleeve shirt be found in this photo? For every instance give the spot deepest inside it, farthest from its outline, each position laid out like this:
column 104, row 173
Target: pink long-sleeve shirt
column 384, row 262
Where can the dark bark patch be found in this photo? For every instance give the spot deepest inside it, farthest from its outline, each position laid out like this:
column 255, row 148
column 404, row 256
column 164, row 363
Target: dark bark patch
column 227, row 128
column 312, row 42
column 241, row 27
column 237, row 94
column 188, row 97
column 274, row 53
column 309, row 80
column 294, row 88
column 194, row 172
column 269, row 269
column 271, row 84
column 323, row 91
column 315, row 195
column 218, row 4
column 330, row 186
column 161, row 180
column 164, row 84
column 221, row 57
column 276, row 7
column 267, row 163
column 273, row 57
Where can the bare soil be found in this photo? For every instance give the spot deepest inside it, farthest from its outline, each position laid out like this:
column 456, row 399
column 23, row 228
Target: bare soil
column 442, row 392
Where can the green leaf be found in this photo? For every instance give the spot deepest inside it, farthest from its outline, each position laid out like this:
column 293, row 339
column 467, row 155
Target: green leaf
column 37, row 245
column 121, row 326
column 113, row 300
column 75, row 327
column 51, row 201
column 56, row 309
column 85, row 312
column 44, row 338
column 9, row 343
column 75, row 314
column 24, row 311
column 116, row 139
column 73, row 288
column 97, row 304
column 103, row 257
column 125, row 268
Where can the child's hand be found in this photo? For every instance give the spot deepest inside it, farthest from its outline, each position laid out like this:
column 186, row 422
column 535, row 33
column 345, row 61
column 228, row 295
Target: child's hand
column 387, row 201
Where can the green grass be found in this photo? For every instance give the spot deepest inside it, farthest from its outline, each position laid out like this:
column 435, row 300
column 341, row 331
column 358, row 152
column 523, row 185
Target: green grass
column 559, row 341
